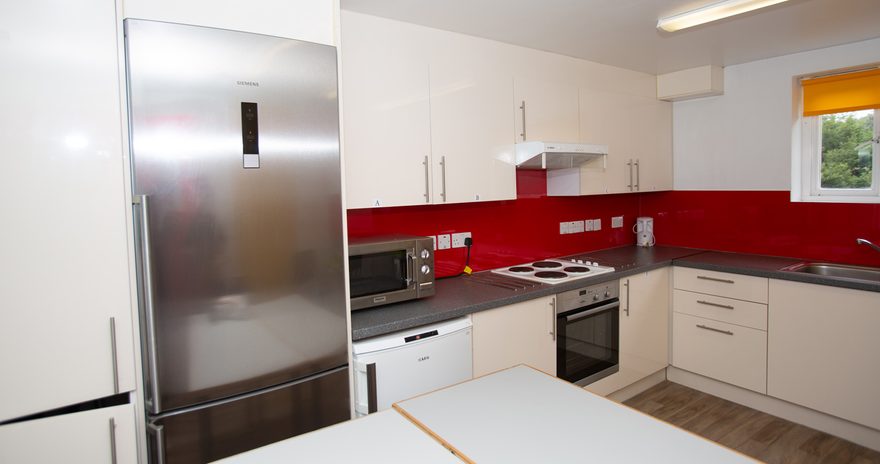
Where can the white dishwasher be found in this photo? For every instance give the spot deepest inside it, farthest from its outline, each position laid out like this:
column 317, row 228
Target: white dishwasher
column 401, row 365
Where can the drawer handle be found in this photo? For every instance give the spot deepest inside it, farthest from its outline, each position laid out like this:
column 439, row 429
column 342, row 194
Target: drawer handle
column 709, row 303
column 713, row 329
column 715, row 279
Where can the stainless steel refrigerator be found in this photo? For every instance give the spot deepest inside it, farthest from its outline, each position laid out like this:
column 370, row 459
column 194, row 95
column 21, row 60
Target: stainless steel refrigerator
column 238, row 224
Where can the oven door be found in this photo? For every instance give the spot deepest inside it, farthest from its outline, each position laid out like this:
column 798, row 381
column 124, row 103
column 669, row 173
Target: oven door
column 588, row 342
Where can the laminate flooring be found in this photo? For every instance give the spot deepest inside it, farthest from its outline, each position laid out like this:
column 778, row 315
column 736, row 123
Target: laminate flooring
column 751, row 432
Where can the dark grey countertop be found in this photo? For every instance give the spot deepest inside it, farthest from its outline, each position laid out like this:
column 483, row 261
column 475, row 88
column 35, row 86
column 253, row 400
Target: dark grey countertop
column 459, row 296
column 767, row 266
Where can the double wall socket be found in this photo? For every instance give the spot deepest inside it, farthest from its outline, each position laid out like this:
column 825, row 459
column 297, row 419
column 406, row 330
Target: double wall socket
column 571, row 227
column 458, row 239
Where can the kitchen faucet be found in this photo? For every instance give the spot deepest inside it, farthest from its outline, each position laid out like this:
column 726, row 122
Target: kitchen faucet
column 861, row 241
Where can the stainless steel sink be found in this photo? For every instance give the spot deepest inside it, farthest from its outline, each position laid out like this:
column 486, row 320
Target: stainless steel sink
column 838, row 271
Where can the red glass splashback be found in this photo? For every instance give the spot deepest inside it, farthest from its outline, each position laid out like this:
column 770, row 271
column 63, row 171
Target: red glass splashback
column 512, row 232
column 764, row 222
column 506, row 232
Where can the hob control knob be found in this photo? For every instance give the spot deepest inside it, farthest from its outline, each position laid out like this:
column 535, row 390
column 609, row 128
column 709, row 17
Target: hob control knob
column 425, row 254
column 425, row 269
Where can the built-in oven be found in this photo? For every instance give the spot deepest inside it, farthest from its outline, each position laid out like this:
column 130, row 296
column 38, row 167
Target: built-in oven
column 588, row 333
column 389, row 269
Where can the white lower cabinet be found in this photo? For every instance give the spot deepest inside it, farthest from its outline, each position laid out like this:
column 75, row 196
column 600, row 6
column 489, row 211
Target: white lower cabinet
column 521, row 333
column 644, row 330
column 730, row 353
column 719, row 326
column 105, row 435
column 824, row 350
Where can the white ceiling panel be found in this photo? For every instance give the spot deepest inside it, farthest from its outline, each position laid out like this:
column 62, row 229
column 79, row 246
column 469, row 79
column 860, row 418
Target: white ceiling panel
column 623, row 32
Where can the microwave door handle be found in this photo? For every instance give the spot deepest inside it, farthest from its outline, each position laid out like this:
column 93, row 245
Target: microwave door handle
column 591, row 312
column 410, row 263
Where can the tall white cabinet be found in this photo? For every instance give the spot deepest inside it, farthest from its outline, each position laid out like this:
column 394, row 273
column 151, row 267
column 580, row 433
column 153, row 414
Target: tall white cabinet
column 644, row 330
column 66, row 333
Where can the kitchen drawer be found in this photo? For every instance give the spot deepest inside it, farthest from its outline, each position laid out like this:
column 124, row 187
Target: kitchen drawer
column 738, row 286
column 725, row 352
column 744, row 313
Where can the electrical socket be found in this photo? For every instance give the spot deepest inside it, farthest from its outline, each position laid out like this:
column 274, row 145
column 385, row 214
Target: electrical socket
column 571, row 227
column 458, row 239
column 597, row 224
column 444, row 242
column 589, row 225
column 616, row 222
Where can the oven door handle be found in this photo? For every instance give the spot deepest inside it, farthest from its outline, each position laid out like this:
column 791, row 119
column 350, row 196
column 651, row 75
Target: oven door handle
column 584, row 314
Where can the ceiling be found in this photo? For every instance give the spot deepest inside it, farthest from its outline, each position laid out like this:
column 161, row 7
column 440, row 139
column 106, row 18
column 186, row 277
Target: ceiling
column 623, row 32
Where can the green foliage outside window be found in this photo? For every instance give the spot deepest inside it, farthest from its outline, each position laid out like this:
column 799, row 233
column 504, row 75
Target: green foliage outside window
column 847, row 150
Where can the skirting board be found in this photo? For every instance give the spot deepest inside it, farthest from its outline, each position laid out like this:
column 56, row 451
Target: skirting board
column 836, row 426
column 630, row 391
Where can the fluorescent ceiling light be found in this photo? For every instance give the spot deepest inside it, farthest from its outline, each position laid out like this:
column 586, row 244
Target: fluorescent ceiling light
column 711, row 13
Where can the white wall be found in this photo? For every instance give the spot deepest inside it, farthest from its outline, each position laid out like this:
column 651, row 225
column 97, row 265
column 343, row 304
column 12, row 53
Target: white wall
column 742, row 140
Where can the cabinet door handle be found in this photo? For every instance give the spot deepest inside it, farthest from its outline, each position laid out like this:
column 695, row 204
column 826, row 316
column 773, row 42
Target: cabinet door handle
column 638, row 175
column 427, row 182
column 553, row 317
column 630, row 184
column 113, row 459
column 709, row 303
column 713, row 329
column 522, row 108
column 443, row 177
column 626, row 284
column 114, row 358
column 715, row 279
column 372, row 400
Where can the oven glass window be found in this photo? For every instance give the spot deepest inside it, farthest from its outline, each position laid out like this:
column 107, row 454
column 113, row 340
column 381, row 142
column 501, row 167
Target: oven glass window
column 377, row 273
column 587, row 345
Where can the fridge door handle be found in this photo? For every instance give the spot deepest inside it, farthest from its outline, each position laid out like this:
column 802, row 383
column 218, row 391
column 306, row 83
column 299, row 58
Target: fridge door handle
column 149, row 313
column 372, row 400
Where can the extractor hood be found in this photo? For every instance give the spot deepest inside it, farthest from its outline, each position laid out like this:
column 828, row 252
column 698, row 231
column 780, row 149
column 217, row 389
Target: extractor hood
column 553, row 155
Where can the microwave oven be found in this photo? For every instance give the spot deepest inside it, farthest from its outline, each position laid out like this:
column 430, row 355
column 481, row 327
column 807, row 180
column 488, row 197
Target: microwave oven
column 390, row 269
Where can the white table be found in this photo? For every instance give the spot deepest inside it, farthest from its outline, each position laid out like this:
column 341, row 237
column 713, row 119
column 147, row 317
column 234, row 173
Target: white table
column 521, row 415
column 382, row 438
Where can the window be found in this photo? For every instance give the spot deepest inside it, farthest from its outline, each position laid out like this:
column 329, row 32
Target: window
column 840, row 138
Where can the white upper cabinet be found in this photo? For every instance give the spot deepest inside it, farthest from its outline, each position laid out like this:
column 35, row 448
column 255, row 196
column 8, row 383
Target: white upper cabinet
column 472, row 134
column 309, row 20
column 386, row 117
column 550, row 112
column 63, row 243
column 638, row 132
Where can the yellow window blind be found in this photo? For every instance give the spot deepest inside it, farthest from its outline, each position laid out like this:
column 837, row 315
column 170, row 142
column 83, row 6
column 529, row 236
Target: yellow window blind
column 844, row 92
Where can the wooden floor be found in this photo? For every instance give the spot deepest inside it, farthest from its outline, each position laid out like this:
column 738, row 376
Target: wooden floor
column 751, row 432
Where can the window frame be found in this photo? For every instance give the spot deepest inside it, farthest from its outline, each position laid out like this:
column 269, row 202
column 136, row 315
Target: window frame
column 811, row 159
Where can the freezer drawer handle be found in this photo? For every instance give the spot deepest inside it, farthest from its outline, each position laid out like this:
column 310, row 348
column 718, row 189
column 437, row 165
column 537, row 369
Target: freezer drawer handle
column 159, row 432
column 146, row 275
column 372, row 401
